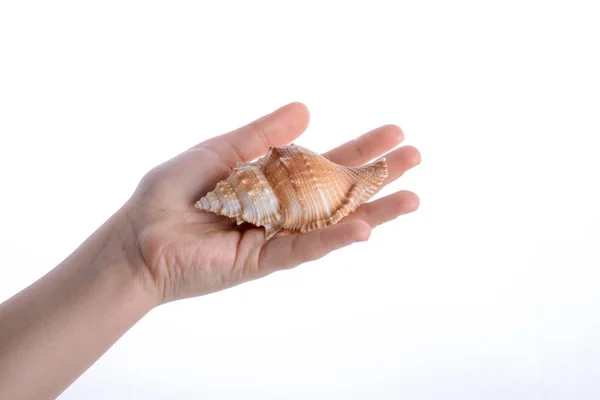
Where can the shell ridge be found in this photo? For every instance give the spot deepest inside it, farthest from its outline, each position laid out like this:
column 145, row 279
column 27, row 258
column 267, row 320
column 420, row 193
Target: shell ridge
column 314, row 210
column 373, row 176
column 344, row 209
column 260, row 210
column 299, row 194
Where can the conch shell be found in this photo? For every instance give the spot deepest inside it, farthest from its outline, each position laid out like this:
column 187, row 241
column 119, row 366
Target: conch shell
column 293, row 189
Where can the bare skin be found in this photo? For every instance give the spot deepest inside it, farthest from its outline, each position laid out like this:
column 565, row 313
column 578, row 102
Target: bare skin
column 159, row 248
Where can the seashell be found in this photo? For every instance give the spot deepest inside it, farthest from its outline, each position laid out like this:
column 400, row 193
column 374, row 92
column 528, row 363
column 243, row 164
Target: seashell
column 293, row 189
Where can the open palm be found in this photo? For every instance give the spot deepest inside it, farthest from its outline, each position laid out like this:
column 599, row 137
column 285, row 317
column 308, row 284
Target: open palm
column 189, row 252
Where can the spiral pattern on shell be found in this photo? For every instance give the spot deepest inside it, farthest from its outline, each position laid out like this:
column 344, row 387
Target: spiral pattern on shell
column 293, row 189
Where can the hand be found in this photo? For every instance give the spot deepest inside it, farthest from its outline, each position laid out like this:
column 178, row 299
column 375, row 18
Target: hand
column 158, row 247
column 185, row 252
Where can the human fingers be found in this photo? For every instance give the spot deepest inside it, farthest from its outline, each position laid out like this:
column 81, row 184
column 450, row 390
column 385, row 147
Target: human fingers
column 366, row 147
column 292, row 250
column 385, row 209
column 399, row 161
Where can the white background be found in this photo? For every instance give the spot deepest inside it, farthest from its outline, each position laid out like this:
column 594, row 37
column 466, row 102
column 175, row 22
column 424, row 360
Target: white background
column 489, row 291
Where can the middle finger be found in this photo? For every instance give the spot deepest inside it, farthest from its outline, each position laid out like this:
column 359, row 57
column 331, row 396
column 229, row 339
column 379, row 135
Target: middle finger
column 366, row 147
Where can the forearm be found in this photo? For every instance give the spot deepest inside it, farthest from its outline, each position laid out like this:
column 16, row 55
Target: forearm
column 54, row 330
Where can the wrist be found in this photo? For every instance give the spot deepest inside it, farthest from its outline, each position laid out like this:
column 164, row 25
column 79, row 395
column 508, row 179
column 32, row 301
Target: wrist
column 112, row 254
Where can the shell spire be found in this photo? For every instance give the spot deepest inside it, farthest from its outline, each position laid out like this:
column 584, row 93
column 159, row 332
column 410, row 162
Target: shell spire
column 293, row 189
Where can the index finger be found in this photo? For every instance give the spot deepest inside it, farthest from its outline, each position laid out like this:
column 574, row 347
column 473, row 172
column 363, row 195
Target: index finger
column 245, row 144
